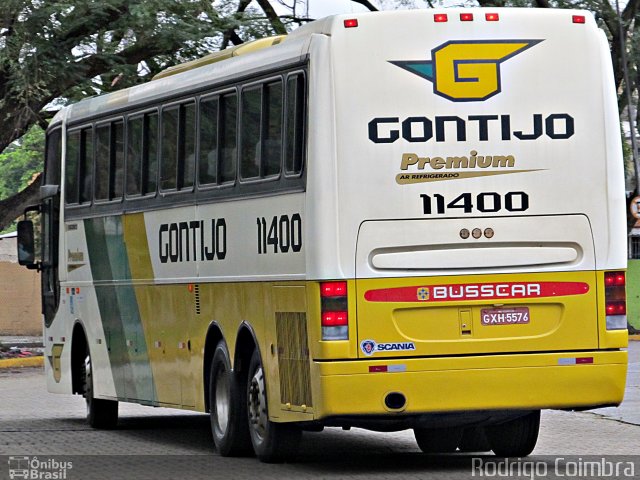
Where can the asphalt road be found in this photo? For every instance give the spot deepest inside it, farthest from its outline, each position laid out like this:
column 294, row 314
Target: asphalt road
column 49, row 431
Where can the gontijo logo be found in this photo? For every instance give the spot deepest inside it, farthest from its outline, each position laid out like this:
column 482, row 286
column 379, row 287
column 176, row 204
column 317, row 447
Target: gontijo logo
column 465, row 70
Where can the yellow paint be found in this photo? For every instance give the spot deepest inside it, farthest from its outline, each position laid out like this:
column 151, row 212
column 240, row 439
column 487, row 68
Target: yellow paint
column 135, row 238
column 556, row 323
column 22, row 362
column 474, row 383
column 222, row 55
column 481, row 66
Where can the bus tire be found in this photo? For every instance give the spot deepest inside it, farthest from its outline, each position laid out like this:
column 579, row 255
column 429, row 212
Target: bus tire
column 438, row 440
column 272, row 442
column 516, row 438
column 101, row 414
column 228, row 408
column 474, row 439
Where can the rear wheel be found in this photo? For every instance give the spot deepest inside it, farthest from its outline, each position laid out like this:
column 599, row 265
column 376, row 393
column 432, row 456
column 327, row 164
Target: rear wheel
column 101, row 413
column 474, row 439
column 272, row 442
column 516, row 438
column 228, row 407
column 438, row 440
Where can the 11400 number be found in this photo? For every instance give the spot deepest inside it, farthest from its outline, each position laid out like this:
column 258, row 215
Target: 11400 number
column 485, row 202
column 284, row 233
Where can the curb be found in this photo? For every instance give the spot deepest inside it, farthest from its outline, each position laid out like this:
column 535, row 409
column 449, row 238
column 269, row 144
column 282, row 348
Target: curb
column 634, row 338
column 22, row 362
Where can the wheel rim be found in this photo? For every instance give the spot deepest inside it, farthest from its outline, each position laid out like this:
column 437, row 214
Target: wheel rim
column 88, row 393
column 222, row 400
column 257, row 407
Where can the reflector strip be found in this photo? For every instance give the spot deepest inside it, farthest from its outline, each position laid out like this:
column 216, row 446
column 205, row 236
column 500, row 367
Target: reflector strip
column 387, row 368
column 575, row 361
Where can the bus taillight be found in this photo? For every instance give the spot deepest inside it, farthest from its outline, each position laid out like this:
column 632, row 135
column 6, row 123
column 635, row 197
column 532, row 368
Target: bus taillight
column 334, row 315
column 615, row 300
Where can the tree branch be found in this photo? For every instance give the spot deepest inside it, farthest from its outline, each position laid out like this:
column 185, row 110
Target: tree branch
column 12, row 207
column 366, row 4
column 273, row 17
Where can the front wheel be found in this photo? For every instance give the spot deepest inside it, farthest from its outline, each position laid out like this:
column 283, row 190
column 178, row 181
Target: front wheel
column 101, row 413
column 516, row 438
column 272, row 442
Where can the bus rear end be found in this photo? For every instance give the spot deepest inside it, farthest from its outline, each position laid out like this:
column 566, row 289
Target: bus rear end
column 478, row 204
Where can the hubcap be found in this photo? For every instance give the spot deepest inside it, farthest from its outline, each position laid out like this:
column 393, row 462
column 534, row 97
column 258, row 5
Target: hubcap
column 257, row 406
column 222, row 400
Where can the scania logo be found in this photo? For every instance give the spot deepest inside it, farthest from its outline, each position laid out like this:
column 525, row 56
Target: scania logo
column 368, row 347
column 466, row 71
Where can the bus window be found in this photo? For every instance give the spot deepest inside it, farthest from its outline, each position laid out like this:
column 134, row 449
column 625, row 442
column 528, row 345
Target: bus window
column 228, row 128
column 150, row 157
column 187, row 145
column 86, row 165
column 272, row 130
column 294, row 132
column 71, row 171
column 103, row 134
column 134, row 155
column 117, row 148
column 208, row 154
column 250, row 116
column 169, row 151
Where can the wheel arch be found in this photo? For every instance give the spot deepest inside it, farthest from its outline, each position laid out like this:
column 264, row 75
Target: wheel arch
column 79, row 347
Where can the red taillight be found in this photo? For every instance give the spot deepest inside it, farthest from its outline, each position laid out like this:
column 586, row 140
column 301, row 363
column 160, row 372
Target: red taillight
column 466, row 17
column 440, row 17
column 615, row 300
column 351, row 23
column 333, row 289
column 491, row 17
column 579, row 19
column 334, row 316
column 335, row 319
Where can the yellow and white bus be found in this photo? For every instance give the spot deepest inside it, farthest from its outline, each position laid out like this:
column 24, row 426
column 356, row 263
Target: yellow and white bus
column 398, row 220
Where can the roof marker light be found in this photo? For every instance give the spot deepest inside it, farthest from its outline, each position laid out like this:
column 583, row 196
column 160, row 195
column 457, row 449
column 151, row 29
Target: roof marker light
column 466, row 17
column 440, row 17
column 579, row 19
column 491, row 17
column 351, row 23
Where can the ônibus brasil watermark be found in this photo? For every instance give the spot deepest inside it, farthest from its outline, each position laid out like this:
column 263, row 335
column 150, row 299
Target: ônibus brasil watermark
column 558, row 467
column 32, row 468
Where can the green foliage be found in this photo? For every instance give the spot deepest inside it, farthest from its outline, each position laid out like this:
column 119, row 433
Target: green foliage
column 20, row 161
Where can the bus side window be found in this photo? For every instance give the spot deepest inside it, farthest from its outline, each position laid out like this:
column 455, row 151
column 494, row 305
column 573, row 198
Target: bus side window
column 71, row 168
column 208, row 153
column 295, row 118
column 103, row 135
column 86, row 165
column 228, row 146
column 169, row 150
column 134, row 155
column 187, row 145
column 250, row 120
column 272, row 130
column 117, row 165
column 150, row 154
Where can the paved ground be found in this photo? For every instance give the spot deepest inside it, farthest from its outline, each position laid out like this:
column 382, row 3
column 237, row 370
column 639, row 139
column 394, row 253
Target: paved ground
column 164, row 443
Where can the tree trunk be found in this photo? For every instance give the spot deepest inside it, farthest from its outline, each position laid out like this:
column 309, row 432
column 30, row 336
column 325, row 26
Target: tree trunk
column 14, row 206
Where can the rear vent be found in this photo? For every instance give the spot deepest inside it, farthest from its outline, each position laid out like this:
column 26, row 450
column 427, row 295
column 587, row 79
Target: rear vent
column 196, row 298
column 293, row 358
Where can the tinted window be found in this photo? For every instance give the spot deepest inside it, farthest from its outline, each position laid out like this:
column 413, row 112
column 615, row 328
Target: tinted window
column 187, row 155
column 150, row 157
column 208, row 155
column 71, row 168
column 271, row 157
column 117, row 149
column 169, row 152
column 54, row 156
column 228, row 145
column 86, row 165
column 250, row 123
column 134, row 155
column 295, row 117
column 103, row 142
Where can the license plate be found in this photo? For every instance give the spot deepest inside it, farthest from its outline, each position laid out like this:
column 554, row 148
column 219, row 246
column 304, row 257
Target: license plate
column 504, row 316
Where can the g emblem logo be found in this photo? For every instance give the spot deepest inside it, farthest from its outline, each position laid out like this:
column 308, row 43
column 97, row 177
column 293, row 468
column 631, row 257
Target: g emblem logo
column 467, row 71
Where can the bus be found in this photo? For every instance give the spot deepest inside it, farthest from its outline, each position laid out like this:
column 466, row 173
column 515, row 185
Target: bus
column 393, row 220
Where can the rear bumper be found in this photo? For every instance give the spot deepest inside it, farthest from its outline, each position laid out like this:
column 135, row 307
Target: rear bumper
column 473, row 383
